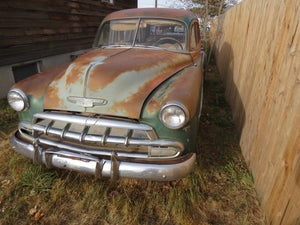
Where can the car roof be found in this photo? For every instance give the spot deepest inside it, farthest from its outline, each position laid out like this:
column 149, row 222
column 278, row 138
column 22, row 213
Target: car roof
column 178, row 14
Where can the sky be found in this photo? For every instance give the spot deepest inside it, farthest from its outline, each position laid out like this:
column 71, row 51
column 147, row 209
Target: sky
column 160, row 3
column 163, row 3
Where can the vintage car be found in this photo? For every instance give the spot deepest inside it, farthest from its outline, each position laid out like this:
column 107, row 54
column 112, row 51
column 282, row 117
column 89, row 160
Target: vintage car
column 128, row 108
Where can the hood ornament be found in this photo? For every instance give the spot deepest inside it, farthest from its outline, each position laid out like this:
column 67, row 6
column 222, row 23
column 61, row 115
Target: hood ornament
column 87, row 102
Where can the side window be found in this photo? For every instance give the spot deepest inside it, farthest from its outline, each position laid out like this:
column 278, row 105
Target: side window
column 195, row 38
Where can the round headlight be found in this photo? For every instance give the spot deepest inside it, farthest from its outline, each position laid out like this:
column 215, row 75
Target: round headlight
column 174, row 115
column 17, row 100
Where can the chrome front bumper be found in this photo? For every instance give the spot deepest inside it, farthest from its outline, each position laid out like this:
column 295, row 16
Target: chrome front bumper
column 113, row 166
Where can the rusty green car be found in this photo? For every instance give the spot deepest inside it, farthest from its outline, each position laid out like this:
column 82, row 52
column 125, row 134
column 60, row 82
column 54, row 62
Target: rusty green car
column 128, row 108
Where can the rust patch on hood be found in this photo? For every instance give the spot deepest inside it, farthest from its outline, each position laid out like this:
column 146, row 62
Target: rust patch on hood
column 71, row 82
column 123, row 77
column 185, row 89
column 127, row 85
column 136, row 60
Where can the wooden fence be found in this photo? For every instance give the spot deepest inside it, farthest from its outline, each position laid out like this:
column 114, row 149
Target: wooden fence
column 258, row 55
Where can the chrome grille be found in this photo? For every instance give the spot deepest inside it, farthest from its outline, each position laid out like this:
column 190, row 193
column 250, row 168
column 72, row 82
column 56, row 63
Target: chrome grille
column 103, row 131
column 98, row 136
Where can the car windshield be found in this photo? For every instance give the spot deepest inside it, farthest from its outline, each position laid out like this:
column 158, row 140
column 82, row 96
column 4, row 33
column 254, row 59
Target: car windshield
column 154, row 33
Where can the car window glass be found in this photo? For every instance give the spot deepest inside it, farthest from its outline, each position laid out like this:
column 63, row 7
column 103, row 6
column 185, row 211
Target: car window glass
column 162, row 33
column 118, row 32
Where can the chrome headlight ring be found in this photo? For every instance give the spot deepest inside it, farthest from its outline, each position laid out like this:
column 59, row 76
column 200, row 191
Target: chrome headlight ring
column 174, row 115
column 17, row 99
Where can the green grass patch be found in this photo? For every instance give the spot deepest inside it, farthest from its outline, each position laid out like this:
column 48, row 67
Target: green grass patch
column 8, row 118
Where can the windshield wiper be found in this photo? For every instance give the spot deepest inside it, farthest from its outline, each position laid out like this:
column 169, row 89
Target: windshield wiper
column 148, row 46
column 113, row 46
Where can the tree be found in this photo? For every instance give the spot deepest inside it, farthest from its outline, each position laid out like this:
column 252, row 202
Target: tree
column 199, row 6
column 209, row 7
column 207, row 10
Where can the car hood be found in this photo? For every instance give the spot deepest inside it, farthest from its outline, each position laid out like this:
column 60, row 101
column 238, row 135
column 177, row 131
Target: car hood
column 113, row 81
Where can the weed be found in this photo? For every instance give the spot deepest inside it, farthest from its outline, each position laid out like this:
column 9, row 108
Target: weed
column 36, row 179
column 8, row 118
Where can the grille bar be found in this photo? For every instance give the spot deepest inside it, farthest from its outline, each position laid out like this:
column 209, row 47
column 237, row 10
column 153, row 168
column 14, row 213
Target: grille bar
column 48, row 127
column 92, row 121
column 110, row 139
column 45, row 123
column 82, row 137
column 84, row 133
column 65, row 130
column 100, row 133
column 128, row 136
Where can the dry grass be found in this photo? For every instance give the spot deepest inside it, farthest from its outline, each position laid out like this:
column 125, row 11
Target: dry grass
column 219, row 191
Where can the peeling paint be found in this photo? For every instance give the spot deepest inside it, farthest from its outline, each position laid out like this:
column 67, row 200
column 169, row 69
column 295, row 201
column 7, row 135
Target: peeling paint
column 124, row 79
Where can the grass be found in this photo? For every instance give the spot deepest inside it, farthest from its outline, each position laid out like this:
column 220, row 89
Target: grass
column 219, row 191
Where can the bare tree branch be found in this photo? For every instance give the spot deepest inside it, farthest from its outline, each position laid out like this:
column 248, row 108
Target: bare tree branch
column 215, row 34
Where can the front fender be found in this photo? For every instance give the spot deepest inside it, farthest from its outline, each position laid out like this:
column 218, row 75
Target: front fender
column 185, row 87
column 34, row 87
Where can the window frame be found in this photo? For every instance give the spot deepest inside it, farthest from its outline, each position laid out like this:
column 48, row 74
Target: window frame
column 187, row 33
column 196, row 33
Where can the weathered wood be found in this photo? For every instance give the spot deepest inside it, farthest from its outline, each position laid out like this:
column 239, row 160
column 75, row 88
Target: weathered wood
column 29, row 52
column 39, row 28
column 21, row 14
column 14, row 33
column 258, row 55
column 45, row 38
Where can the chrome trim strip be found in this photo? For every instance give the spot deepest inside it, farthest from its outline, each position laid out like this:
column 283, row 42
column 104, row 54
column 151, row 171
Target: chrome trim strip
column 105, row 139
column 57, row 130
column 87, row 123
column 115, row 167
column 120, row 140
column 127, row 140
column 91, row 121
column 104, row 152
column 86, row 78
column 92, row 151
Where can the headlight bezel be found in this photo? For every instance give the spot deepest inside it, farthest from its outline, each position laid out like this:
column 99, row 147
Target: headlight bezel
column 180, row 106
column 22, row 97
